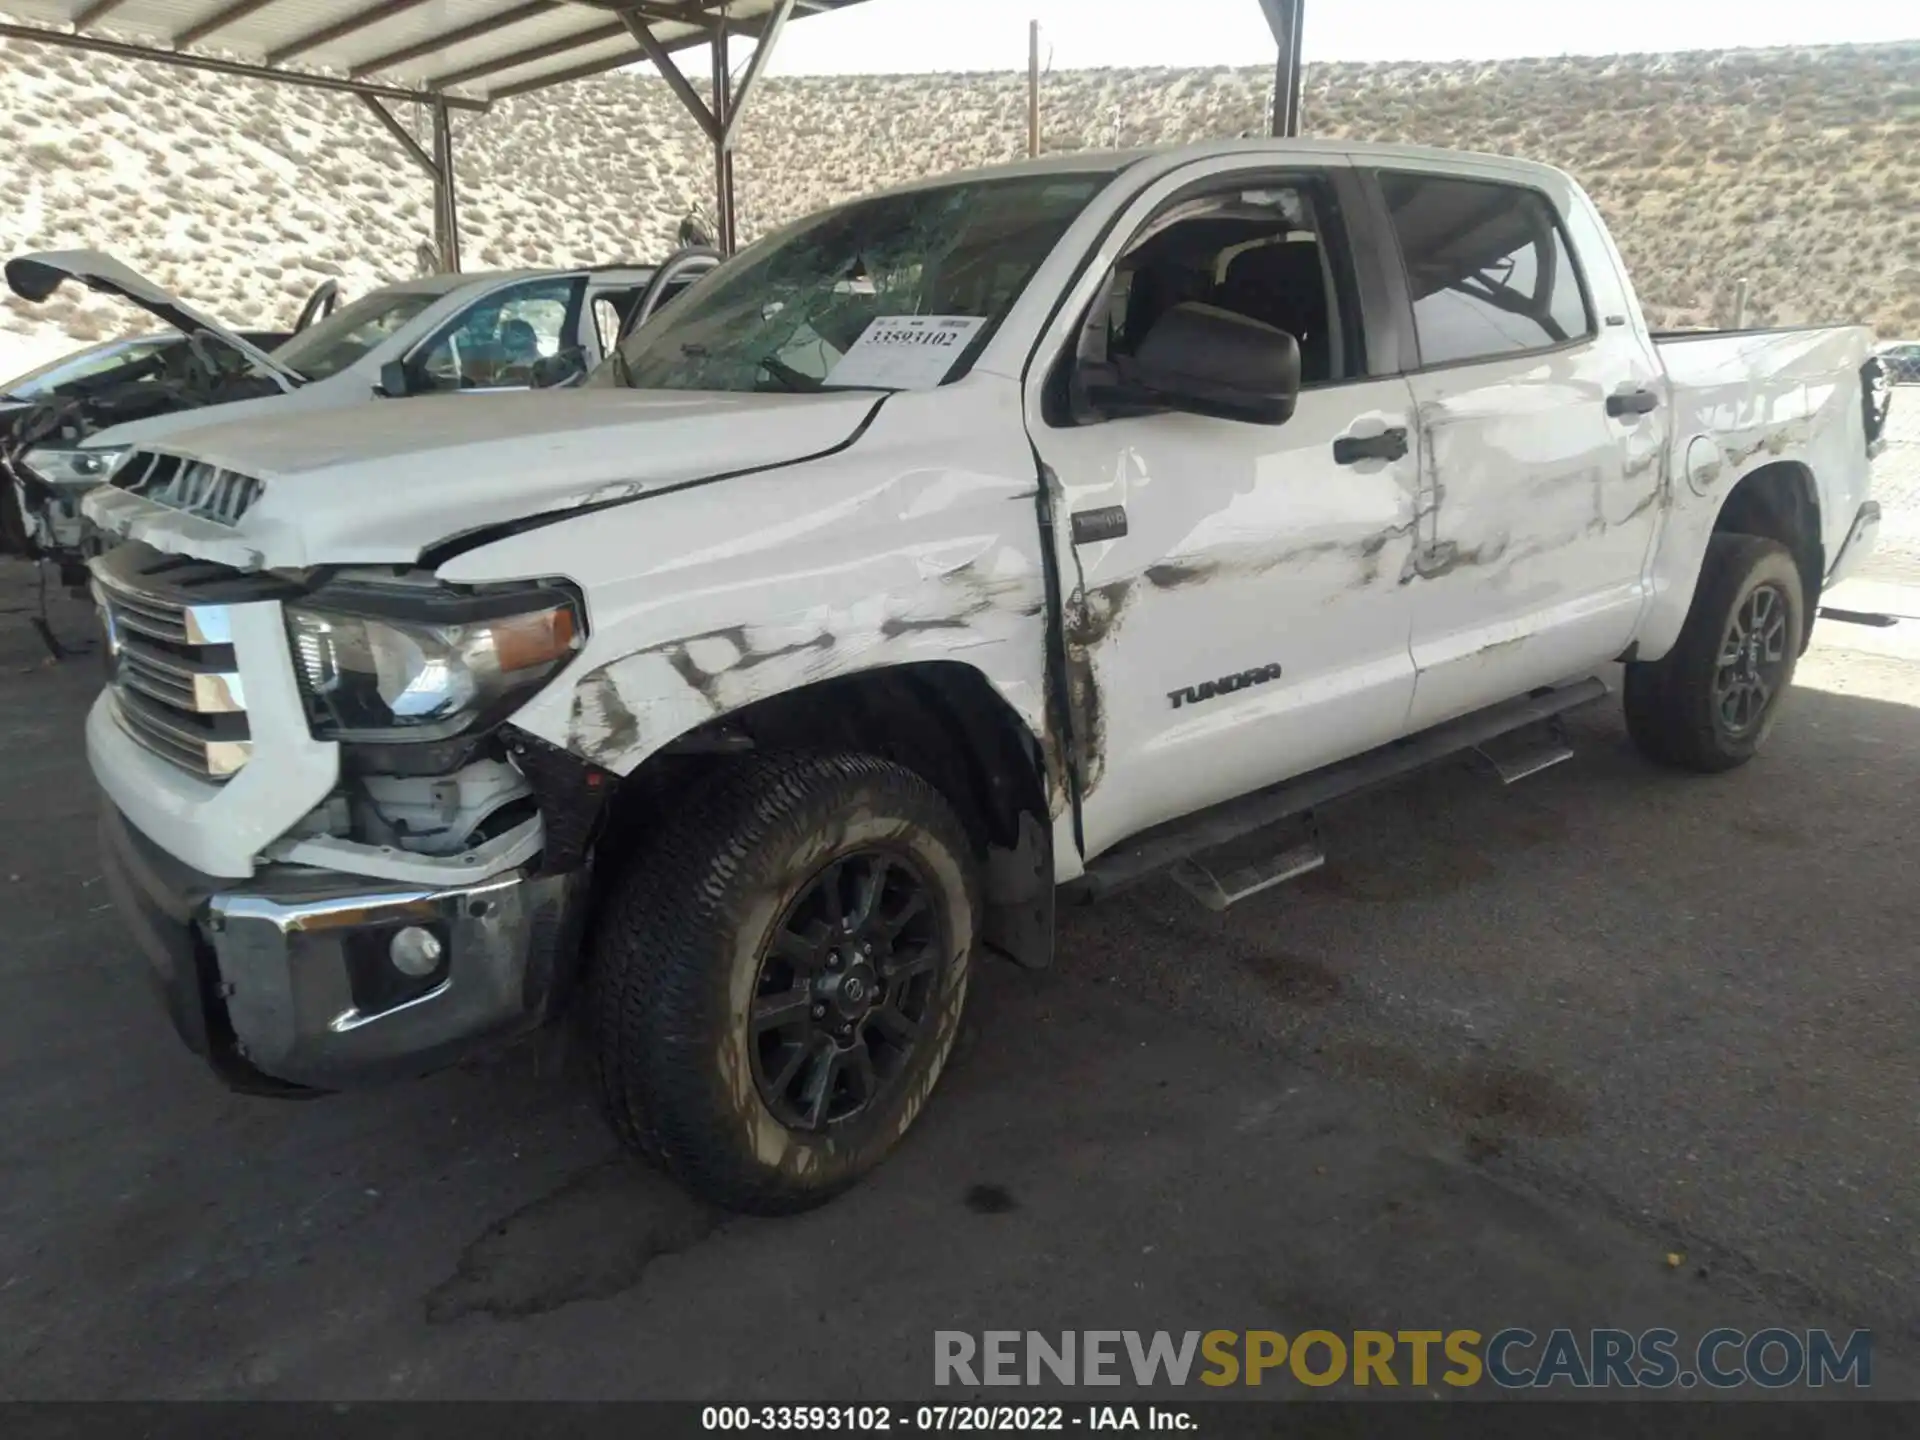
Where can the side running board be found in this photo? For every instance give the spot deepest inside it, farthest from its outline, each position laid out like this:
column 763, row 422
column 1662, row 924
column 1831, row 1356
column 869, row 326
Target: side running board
column 1178, row 841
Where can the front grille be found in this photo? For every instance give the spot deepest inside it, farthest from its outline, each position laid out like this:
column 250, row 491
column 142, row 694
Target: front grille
column 195, row 486
column 174, row 678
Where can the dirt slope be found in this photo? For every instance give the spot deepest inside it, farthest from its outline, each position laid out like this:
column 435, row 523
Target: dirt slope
column 1799, row 170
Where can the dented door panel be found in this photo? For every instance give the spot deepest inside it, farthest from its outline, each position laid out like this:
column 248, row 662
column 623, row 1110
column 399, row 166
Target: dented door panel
column 1544, row 507
column 1251, row 624
column 1540, row 527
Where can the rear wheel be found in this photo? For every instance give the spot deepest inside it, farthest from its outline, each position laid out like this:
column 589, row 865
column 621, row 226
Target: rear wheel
column 780, row 977
column 1710, row 703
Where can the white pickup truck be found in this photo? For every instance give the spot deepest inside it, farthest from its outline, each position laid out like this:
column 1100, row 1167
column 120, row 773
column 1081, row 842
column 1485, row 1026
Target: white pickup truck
column 1016, row 533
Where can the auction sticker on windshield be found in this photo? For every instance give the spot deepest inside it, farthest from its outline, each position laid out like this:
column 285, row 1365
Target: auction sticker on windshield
column 906, row 352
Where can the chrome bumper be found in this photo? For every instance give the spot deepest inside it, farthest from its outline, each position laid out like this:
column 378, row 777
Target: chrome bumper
column 285, row 982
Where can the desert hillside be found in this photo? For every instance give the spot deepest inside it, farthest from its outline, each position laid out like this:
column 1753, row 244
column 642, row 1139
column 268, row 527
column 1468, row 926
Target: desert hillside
column 1799, row 170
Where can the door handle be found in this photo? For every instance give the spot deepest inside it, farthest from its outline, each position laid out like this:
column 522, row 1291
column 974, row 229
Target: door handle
column 1387, row 445
column 1632, row 402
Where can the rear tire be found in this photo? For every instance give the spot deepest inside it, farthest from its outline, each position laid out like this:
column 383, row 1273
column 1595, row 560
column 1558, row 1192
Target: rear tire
column 1710, row 702
column 779, row 977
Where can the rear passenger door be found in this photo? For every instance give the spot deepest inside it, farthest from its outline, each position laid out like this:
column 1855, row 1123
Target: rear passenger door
column 1540, row 487
column 1235, row 612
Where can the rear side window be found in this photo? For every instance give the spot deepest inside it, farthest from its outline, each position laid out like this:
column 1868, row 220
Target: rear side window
column 1489, row 268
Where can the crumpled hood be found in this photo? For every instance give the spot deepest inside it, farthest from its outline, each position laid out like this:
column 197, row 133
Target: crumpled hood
column 36, row 276
column 381, row 483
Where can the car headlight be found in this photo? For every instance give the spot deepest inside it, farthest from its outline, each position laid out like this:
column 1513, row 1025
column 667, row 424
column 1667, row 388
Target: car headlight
column 456, row 664
column 59, row 466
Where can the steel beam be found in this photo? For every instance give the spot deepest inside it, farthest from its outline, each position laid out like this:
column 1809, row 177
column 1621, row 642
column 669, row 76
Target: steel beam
column 756, row 67
column 527, row 56
column 692, row 14
column 1033, row 89
column 339, row 29
column 218, row 20
column 126, row 50
column 654, row 50
column 457, row 36
column 98, row 10
column 404, row 136
column 446, row 210
column 1286, row 18
column 722, row 153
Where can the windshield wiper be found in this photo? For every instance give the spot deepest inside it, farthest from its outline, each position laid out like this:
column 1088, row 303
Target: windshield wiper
column 790, row 379
column 802, row 383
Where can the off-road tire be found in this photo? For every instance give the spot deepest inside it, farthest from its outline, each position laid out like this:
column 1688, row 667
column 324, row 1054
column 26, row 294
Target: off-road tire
column 678, row 952
column 1670, row 703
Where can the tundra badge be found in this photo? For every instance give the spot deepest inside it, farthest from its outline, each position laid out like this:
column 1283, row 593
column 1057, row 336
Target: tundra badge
column 1210, row 689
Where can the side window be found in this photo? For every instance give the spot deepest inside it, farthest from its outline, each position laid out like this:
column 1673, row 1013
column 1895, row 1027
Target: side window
column 1271, row 252
column 494, row 343
column 1488, row 265
column 672, row 292
column 609, row 307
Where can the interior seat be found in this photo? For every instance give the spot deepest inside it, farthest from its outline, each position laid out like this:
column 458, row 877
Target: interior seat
column 519, row 346
column 1282, row 285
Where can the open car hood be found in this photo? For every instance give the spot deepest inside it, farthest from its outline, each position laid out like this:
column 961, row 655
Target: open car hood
column 36, row 276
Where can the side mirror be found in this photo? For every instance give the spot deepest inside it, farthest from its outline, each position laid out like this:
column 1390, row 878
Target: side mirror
column 395, row 382
column 561, row 368
column 1209, row 361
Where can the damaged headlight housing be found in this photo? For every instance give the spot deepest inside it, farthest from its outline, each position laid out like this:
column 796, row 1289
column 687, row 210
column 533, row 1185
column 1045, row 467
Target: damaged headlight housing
column 65, row 468
column 384, row 668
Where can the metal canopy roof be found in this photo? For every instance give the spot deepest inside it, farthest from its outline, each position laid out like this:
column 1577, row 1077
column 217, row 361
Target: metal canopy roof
column 468, row 51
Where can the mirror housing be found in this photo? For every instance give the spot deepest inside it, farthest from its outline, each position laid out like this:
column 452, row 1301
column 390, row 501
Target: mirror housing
column 1208, row 361
column 562, row 367
column 395, row 382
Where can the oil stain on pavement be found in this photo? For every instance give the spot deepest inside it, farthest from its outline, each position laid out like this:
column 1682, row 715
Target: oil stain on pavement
column 592, row 1238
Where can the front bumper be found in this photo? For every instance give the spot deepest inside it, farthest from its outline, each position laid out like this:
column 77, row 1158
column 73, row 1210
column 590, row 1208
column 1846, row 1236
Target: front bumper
column 282, row 983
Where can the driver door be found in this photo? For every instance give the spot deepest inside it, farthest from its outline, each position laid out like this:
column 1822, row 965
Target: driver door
column 676, row 273
column 1234, row 607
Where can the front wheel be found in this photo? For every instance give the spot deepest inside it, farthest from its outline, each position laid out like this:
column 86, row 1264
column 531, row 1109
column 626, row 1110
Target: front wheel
column 779, row 977
column 1710, row 703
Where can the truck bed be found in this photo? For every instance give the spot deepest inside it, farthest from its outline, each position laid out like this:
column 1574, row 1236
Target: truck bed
column 1760, row 397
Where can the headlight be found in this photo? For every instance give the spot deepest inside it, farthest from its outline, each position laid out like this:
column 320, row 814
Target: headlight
column 54, row 465
column 390, row 677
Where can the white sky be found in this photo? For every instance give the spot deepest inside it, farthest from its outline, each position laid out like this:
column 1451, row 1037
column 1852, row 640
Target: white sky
column 880, row 36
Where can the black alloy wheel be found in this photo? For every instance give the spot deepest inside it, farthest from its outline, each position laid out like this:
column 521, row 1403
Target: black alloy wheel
column 1753, row 661
column 845, row 990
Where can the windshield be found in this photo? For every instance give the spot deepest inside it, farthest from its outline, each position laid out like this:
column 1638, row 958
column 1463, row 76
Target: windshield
column 901, row 292
column 114, row 355
column 331, row 345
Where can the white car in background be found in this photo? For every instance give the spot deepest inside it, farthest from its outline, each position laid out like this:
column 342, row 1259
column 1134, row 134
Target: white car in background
column 465, row 334
column 1900, row 359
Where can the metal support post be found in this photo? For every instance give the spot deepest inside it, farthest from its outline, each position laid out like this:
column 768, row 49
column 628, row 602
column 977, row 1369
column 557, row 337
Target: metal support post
column 722, row 108
column 1033, row 88
column 1286, row 18
column 446, row 199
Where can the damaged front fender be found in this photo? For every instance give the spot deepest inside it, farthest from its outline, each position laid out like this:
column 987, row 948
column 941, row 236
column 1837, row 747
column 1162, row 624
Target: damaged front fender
column 707, row 600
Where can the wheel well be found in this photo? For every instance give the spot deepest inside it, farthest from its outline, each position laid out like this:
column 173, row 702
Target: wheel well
column 1779, row 502
column 943, row 721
